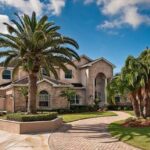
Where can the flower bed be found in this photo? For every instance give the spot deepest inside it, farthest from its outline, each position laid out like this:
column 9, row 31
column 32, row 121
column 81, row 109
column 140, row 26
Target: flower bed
column 133, row 122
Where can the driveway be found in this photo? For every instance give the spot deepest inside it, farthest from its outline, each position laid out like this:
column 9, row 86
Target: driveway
column 88, row 134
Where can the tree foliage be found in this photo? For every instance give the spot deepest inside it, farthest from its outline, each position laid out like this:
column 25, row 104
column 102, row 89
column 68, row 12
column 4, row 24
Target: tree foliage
column 134, row 82
column 34, row 44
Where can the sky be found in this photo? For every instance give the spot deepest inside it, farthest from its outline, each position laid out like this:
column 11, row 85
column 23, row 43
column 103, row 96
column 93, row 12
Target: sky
column 113, row 29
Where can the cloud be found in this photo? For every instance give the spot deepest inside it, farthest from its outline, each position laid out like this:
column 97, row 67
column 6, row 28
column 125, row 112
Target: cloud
column 122, row 12
column 3, row 18
column 55, row 6
column 28, row 6
column 88, row 1
column 24, row 6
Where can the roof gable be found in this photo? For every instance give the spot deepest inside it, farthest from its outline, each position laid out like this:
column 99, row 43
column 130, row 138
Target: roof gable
column 97, row 60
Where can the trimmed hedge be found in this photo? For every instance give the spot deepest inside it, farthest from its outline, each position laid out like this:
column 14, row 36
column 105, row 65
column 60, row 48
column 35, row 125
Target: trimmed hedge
column 31, row 117
column 82, row 108
column 120, row 107
column 73, row 109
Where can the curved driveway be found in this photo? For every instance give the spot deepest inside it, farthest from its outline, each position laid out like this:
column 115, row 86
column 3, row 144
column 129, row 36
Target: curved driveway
column 88, row 134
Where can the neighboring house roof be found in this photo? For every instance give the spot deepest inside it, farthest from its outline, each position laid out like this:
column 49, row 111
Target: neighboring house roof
column 99, row 59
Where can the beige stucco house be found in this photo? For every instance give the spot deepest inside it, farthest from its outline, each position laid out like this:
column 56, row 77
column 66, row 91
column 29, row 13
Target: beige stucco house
column 88, row 79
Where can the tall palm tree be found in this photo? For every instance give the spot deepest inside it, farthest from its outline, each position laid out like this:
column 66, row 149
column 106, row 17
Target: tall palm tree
column 35, row 44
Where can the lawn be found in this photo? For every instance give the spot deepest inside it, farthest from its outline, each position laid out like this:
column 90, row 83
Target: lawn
column 138, row 137
column 130, row 112
column 85, row 115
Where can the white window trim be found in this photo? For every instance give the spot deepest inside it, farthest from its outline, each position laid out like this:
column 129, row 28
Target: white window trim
column 44, row 98
column 75, row 100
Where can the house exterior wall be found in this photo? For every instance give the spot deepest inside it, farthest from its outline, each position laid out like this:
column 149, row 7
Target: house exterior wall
column 19, row 100
column 86, row 76
column 56, row 101
column 99, row 67
column 2, row 104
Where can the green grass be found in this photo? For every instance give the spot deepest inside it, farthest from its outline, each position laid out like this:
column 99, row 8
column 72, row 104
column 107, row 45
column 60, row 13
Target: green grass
column 138, row 137
column 3, row 117
column 85, row 115
column 130, row 112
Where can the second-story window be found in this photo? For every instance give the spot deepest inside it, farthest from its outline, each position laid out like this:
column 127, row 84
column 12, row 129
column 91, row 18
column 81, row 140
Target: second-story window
column 68, row 74
column 44, row 72
column 6, row 74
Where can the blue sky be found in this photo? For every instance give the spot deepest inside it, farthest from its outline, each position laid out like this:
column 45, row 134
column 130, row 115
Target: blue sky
column 112, row 29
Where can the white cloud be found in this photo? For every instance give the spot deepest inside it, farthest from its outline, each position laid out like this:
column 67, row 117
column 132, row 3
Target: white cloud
column 122, row 12
column 24, row 6
column 88, row 1
column 55, row 6
column 3, row 18
column 28, row 6
column 110, row 24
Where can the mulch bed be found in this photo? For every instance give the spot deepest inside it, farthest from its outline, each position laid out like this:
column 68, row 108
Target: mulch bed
column 132, row 122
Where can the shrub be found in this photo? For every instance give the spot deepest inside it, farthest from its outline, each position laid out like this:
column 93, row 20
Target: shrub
column 31, row 117
column 82, row 108
column 120, row 107
column 73, row 109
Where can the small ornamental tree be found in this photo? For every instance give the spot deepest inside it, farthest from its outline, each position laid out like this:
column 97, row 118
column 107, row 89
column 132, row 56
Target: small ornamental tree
column 24, row 92
column 68, row 94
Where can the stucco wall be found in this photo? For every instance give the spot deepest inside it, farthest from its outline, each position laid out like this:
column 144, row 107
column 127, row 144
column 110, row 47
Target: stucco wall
column 2, row 103
column 30, row 127
column 98, row 67
column 19, row 99
column 75, row 71
column 56, row 101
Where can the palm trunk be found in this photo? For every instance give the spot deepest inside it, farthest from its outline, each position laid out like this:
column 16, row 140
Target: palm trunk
column 32, row 93
column 146, row 95
column 139, row 98
column 135, row 105
column 147, row 107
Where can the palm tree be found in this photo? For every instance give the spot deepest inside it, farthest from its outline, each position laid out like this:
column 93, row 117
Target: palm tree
column 134, row 81
column 35, row 44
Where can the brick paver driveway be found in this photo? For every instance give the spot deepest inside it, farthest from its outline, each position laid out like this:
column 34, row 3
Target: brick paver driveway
column 88, row 134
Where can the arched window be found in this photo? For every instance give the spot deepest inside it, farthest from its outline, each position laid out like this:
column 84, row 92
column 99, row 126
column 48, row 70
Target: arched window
column 44, row 99
column 6, row 74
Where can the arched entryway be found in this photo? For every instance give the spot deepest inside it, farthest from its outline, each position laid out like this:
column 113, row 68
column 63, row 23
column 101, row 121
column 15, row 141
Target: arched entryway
column 44, row 99
column 100, row 87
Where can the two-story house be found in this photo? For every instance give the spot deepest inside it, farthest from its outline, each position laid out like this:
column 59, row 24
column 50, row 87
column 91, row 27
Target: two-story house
column 89, row 79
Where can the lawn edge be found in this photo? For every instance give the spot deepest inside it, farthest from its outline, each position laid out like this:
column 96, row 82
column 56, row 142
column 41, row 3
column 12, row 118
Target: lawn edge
column 92, row 117
column 108, row 128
